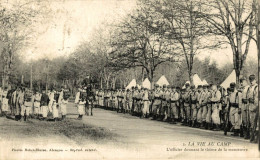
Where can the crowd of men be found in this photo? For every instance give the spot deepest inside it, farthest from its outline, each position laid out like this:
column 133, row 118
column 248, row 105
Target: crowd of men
column 207, row 107
column 23, row 103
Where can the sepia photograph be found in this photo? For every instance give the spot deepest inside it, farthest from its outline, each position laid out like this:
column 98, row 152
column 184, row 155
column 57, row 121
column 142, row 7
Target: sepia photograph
column 129, row 79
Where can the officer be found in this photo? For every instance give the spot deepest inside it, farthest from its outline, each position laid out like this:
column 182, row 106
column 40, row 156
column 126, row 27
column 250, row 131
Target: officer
column 20, row 102
column 203, row 103
column 44, row 104
column 194, row 99
column 252, row 96
column 157, row 101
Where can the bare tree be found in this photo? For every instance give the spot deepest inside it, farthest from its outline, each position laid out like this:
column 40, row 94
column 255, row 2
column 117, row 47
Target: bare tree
column 235, row 21
column 139, row 41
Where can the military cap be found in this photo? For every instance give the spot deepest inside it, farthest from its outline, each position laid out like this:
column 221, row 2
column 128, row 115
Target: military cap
column 242, row 79
column 164, row 86
column 252, row 77
column 192, row 87
column 228, row 90
column 187, row 84
column 136, row 87
column 232, row 85
column 132, row 87
column 178, row 88
column 127, row 90
column 199, row 86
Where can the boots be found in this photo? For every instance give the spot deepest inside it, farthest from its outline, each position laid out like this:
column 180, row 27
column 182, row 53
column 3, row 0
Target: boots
column 190, row 123
column 194, row 123
column 216, row 128
column 25, row 118
column 252, row 136
column 242, row 128
column 80, row 117
column 236, row 132
column 198, row 125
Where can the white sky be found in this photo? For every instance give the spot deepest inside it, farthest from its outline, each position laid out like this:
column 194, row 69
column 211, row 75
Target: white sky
column 75, row 19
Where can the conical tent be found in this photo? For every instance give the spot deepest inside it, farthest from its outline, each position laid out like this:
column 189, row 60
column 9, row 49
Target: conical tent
column 231, row 78
column 131, row 84
column 196, row 80
column 204, row 82
column 146, row 83
column 162, row 81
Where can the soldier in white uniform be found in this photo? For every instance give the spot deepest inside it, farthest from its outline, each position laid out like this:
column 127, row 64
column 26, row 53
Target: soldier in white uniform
column 203, row 103
column 80, row 101
column 215, row 100
column 199, row 106
column 194, row 99
column 53, row 104
column 252, row 96
column 44, row 104
column 63, row 101
column 145, row 100
column 36, row 104
column 235, row 111
column 244, row 109
column 174, row 112
column 157, row 101
column 28, row 103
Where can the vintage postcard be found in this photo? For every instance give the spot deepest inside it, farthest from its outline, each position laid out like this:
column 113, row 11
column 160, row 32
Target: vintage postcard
column 129, row 79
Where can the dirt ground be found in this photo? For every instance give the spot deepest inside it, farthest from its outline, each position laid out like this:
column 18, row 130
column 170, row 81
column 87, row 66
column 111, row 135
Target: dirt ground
column 110, row 135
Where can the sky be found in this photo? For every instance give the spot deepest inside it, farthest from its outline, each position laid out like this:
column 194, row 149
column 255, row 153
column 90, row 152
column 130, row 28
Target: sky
column 74, row 20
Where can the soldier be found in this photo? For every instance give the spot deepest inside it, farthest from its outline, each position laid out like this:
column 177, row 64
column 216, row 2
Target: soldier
column 63, row 101
column 36, row 104
column 199, row 106
column 54, row 99
column 140, row 99
column 145, row 99
column 252, row 96
column 17, row 106
column 130, row 100
column 226, row 109
column 90, row 99
column 182, row 108
column 244, row 109
column 135, row 101
column 167, row 106
column 194, row 99
column 13, row 93
column 215, row 100
column 203, row 105
column 209, row 108
column 235, row 110
column 28, row 102
column 173, row 111
column 80, row 101
column 44, row 104
column 157, row 101
column 187, row 104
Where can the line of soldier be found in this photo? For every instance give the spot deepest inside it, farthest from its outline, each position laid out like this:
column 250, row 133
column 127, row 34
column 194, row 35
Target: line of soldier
column 23, row 103
column 206, row 107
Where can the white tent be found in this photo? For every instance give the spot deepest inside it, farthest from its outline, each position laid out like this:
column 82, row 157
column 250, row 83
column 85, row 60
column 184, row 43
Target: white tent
column 196, row 81
column 146, row 83
column 204, row 82
column 231, row 78
column 162, row 81
column 131, row 84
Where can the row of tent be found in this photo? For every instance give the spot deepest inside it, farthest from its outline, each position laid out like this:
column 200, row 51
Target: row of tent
column 196, row 81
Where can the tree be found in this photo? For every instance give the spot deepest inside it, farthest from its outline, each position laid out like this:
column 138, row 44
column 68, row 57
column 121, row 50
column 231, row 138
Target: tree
column 235, row 21
column 139, row 41
column 17, row 22
column 185, row 27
